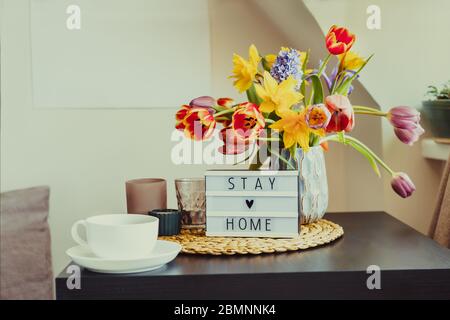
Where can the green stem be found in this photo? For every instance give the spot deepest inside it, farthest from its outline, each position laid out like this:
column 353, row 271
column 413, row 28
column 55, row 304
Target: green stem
column 343, row 88
column 373, row 154
column 223, row 112
column 337, row 82
column 362, row 145
column 324, row 64
column 221, row 118
column 276, row 154
column 379, row 113
column 365, row 108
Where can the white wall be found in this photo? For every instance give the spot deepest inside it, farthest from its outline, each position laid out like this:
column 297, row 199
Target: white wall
column 84, row 155
column 411, row 51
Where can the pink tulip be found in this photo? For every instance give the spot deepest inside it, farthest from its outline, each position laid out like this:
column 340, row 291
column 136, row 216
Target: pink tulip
column 342, row 115
column 402, row 184
column 203, row 102
column 410, row 135
column 318, row 116
column 406, row 124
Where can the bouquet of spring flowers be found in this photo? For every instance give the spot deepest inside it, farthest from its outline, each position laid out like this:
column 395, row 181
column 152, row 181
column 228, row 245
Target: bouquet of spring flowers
column 287, row 106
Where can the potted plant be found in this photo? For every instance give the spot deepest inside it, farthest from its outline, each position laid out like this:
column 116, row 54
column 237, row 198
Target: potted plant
column 437, row 110
column 292, row 111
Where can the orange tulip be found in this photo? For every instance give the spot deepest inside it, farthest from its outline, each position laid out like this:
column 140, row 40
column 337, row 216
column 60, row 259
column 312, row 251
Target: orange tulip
column 197, row 123
column 247, row 121
column 339, row 40
column 225, row 102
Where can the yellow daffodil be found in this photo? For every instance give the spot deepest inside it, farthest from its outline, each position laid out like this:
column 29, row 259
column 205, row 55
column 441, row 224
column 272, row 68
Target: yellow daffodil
column 295, row 129
column 245, row 71
column 269, row 60
column 350, row 61
column 277, row 97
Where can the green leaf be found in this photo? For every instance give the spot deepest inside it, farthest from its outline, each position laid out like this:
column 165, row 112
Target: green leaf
column 317, row 92
column 292, row 150
column 253, row 96
column 265, row 64
column 303, row 85
column 368, row 156
column 344, row 86
column 305, row 62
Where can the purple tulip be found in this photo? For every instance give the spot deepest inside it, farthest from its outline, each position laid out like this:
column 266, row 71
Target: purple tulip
column 203, row 102
column 402, row 184
column 403, row 114
column 406, row 124
column 409, row 136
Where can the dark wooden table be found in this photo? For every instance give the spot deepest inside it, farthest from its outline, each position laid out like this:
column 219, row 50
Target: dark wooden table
column 412, row 266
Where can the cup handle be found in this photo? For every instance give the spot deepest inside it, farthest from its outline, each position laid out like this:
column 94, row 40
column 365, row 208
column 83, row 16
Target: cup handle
column 75, row 234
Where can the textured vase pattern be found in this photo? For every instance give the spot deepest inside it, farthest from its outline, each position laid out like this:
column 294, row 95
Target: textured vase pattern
column 312, row 183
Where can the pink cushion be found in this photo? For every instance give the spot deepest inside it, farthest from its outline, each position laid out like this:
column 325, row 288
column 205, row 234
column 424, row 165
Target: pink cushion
column 25, row 256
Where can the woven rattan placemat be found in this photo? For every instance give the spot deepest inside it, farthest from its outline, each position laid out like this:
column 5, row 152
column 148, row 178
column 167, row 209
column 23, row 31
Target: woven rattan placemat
column 311, row 235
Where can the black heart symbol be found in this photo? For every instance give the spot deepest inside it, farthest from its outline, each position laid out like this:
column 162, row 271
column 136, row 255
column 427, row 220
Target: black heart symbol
column 249, row 203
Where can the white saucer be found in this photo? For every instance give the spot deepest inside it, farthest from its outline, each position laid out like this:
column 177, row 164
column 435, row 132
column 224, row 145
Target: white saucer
column 164, row 252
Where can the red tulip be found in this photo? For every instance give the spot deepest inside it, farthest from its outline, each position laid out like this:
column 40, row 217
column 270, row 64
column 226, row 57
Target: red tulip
column 402, row 184
column 198, row 123
column 232, row 143
column 339, row 40
column 247, row 121
column 342, row 115
column 225, row 102
column 180, row 116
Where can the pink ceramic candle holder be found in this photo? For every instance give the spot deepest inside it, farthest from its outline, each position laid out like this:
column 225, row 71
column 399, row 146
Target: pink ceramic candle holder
column 145, row 195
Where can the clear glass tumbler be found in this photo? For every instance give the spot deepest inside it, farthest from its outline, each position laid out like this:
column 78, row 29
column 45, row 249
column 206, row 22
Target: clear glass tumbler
column 191, row 202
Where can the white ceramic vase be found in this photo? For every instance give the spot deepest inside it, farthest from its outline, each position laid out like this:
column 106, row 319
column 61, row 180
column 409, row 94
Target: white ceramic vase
column 313, row 186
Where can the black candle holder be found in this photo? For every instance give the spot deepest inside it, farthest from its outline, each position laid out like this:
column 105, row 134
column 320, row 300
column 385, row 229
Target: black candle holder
column 169, row 221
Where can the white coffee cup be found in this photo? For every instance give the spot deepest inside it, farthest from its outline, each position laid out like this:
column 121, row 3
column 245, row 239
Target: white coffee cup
column 118, row 236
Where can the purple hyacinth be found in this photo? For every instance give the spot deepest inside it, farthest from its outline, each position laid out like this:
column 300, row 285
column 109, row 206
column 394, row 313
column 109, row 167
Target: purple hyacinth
column 287, row 64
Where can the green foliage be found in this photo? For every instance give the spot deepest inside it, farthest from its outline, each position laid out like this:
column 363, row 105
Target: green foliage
column 253, row 96
column 436, row 93
column 317, row 94
column 344, row 86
